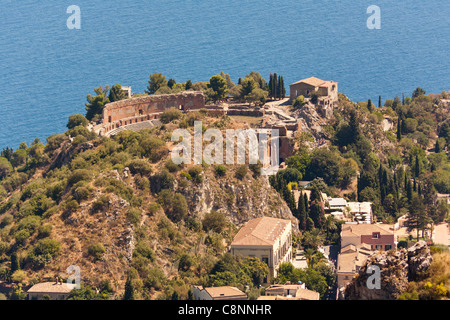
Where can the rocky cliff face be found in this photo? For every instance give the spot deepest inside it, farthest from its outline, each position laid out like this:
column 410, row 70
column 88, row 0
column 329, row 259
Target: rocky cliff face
column 396, row 267
column 240, row 201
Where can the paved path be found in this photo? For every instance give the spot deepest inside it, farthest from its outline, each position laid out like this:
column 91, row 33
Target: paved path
column 441, row 234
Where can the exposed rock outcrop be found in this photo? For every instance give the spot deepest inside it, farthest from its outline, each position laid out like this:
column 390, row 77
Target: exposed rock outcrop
column 239, row 201
column 396, row 268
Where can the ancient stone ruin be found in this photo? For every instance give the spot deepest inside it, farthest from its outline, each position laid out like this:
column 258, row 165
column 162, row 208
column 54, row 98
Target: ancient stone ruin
column 142, row 109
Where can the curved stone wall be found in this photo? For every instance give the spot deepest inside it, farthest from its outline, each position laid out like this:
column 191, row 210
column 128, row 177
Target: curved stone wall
column 125, row 112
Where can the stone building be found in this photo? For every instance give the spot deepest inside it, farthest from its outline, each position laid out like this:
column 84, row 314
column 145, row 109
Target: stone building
column 327, row 90
column 266, row 238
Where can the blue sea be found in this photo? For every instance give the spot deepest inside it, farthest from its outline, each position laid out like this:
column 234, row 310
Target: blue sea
column 47, row 70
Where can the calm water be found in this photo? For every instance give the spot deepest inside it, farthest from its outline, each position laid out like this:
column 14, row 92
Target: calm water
column 46, row 70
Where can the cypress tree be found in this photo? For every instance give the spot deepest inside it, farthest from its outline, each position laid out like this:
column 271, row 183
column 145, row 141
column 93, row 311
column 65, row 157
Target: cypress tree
column 437, row 146
column 417, row 167
column 279, row 87
column 301, row 212
column 306, row 202
column 409, row 191
column 15, row 265
column 271, row 85
column 283, row 89
column 399, row 129
column 379, row 101
column 275, row 86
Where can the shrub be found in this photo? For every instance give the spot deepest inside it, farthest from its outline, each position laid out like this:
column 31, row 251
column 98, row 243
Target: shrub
column 101, row 204
column 194, row 224
column 214, row 221
column 44, row 252
column 29, row 223
column 171, row 166
column 170, row 115
column 134, row 216
column 241, row 172
column 7, row 219
column 174, row 205
column 140, row 166
column 144, row 250
column 4, row 247
column 154, row 148
column 161, row 180
column 77, row 120
column 196, row 174
column 299, row 102
column 45, row 230
column 82, row 193
column 79, row 175
column 186, row 262
column 55, row 141
column 21, row 236
column 220, row 170
column 96, row 251
column 153, row 208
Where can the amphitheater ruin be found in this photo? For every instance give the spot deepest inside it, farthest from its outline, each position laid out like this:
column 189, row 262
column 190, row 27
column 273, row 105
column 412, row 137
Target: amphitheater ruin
column 143, row 112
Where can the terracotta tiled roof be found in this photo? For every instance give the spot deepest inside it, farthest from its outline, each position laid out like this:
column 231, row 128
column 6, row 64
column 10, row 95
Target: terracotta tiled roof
column 316, row 82
column 261, row 231
column 218, row 292
column 51, row 287
column 364, row 229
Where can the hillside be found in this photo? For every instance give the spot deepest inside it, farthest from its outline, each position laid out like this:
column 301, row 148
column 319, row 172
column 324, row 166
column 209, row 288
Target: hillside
column 96, row 204
column 141, row 227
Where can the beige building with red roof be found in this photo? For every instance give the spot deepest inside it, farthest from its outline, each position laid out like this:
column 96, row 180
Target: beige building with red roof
column 358, row 241
column 328, row 90
column 266, row 238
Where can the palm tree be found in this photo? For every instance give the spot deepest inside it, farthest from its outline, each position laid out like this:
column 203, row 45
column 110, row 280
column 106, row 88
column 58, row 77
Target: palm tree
column 330, row 224
column 312, row 239
column 309, row 255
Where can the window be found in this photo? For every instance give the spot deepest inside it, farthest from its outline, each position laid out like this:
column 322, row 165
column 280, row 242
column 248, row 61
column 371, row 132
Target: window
column 379, row 247
column 375, row 235
column 387, row 247
column 265, row 259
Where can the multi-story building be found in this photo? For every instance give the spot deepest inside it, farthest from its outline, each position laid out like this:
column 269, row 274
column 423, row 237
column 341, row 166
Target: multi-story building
column 266, row 238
